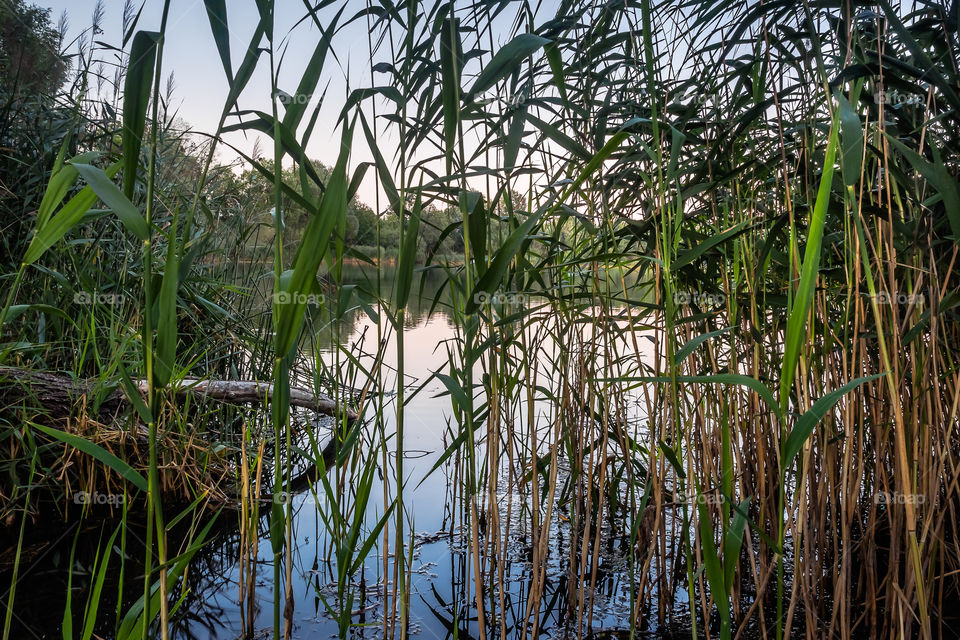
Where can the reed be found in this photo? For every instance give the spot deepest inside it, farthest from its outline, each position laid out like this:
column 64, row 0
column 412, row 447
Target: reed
column 706, row 312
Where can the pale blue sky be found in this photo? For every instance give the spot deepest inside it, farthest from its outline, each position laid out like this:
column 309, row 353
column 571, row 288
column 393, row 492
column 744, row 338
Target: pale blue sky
column 201, row 87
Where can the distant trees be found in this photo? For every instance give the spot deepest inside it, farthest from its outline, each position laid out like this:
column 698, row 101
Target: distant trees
column 33, row 122
column 366, row 233
column 363, row 224
column 433, row 222
column 255, row 193
column 30, row 60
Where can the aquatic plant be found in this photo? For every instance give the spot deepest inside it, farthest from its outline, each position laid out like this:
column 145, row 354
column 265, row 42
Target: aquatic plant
column 705, row 310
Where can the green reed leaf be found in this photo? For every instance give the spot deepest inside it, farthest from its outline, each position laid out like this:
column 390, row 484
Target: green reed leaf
column 217, row 15
column 291, row 302
column 506, row 60
column 796, row 335
column 54, row 227
column 115, row 199
column 812, row 417
column 166, row 351
column 408, row 257
column 693, row 343
column 851, row 140
column 99, row 453
column 451, row 62
column 136, row 98
column 93, row 602
column 732, row 542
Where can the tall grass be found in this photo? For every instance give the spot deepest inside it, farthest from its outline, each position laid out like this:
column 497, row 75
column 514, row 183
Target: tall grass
column 706, row 306
column 744, row 208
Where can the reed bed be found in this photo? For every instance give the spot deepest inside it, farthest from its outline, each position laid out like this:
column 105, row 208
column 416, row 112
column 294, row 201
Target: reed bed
column 705, row 313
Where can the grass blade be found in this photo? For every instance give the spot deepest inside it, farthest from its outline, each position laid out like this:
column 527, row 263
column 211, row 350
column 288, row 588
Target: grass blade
column 136, row 98
column 102, row 455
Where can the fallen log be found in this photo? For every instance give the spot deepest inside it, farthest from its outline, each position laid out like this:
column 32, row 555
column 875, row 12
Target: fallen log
column 254, row 392
column 60, row 393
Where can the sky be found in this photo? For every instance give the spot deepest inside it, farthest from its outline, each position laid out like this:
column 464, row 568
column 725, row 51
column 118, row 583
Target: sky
column 201, row 87
column 200, row 83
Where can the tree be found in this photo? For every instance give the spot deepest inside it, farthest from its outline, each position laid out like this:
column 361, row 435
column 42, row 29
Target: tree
column 366, row 226
column 32, row 129
column 30, row 60
column 258, row 196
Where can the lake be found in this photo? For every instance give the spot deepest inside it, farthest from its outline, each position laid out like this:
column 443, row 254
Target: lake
column 441, row 598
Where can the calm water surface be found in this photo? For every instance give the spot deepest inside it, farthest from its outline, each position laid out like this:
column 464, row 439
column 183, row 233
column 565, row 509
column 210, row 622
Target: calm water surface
column 439, row 605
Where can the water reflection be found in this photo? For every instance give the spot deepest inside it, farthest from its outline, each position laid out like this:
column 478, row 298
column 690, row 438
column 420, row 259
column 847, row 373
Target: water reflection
column 355, row 301
column 442, row 602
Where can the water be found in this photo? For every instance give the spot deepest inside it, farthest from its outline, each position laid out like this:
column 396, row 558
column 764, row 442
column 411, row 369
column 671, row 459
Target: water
column 441, row 597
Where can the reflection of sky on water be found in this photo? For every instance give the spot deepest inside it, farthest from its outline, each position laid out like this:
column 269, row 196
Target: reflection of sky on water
column 440, row 568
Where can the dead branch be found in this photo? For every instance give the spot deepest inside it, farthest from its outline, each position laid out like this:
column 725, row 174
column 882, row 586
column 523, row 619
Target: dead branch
column 59, row 393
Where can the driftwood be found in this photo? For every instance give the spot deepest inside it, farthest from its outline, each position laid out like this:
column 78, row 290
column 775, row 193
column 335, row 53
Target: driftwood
column 58, row 393
column 254, row 392
column 61, row 398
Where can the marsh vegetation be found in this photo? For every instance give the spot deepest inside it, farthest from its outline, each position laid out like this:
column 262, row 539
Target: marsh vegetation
column 649, row 330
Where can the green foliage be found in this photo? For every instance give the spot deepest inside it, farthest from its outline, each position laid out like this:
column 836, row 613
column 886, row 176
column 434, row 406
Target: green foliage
column 101, row 454
column 579, row 185
column 30, row 63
